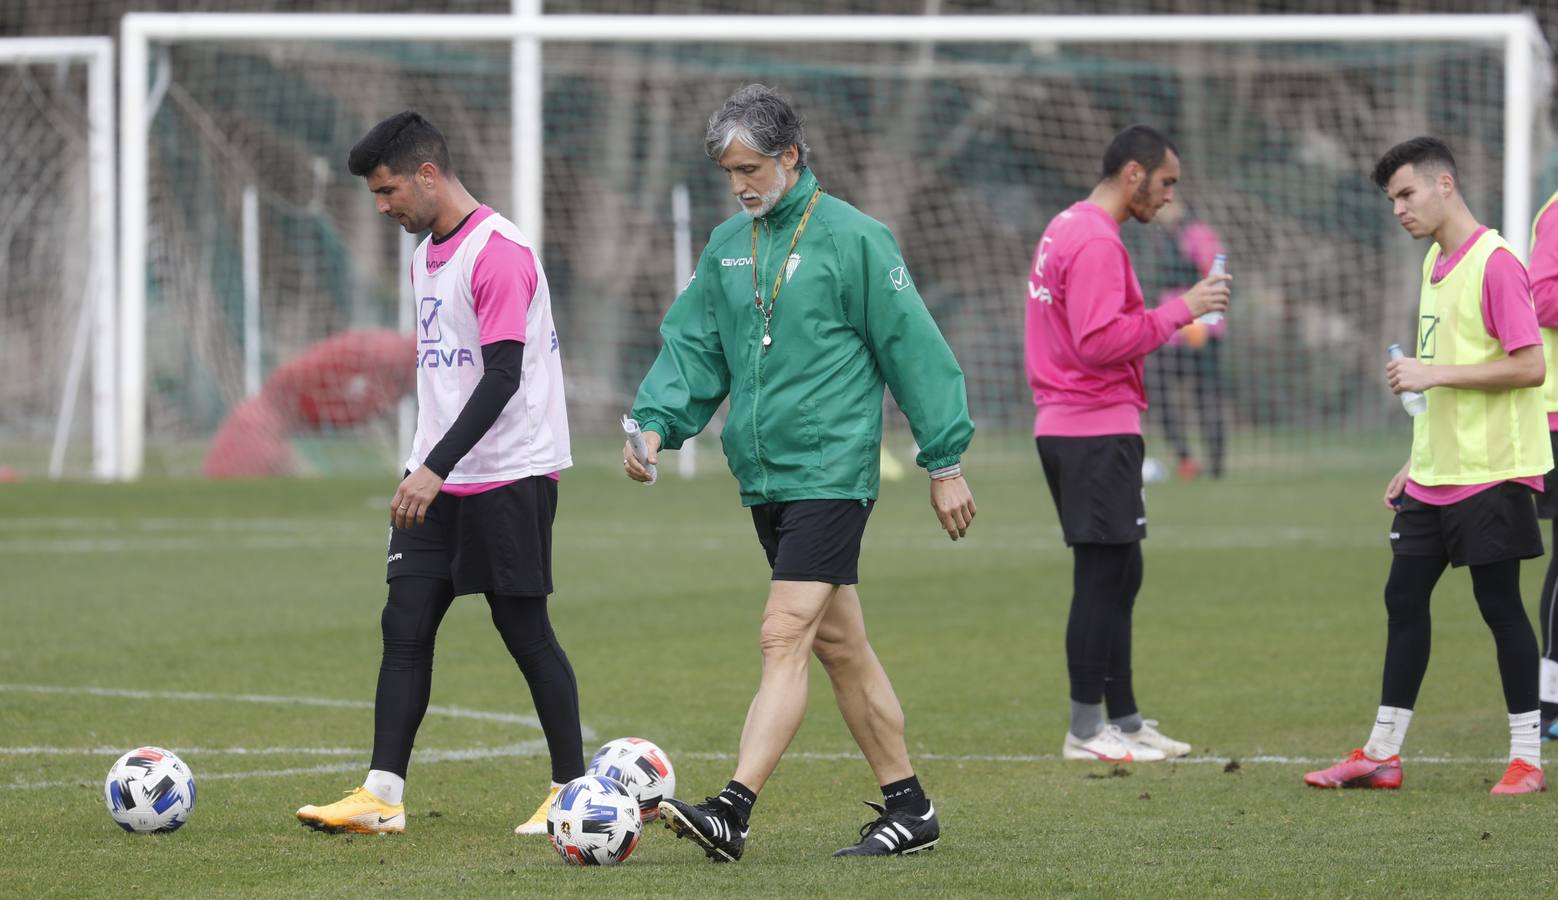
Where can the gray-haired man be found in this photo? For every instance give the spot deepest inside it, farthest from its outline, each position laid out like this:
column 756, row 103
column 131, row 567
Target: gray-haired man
column 802, row 306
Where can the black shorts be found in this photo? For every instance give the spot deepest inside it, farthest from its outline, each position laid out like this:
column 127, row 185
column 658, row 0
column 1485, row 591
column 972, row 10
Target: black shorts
column 498, row 541
column 1547, row 500
column 1495, row 525
column 1096, row 485
column 813, row 540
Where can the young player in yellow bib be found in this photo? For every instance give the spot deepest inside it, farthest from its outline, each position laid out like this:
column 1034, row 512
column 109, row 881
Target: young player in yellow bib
column 1479, row 452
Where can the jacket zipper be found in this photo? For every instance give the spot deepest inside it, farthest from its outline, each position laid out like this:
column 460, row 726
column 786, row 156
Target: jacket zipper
column 757, row 373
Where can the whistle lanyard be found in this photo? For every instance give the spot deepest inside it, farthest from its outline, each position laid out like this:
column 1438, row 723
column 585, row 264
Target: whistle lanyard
column 757, row 295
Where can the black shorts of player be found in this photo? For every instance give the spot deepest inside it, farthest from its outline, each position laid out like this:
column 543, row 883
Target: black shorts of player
column 1492, row 526
column 1547, row 500
column 498, row 541
column 1096, row 485
column 813, row 540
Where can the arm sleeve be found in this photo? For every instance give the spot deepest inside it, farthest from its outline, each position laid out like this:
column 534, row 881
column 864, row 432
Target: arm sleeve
column 689, row 378
column 1507, row 311
column 1544, row 268
column 501, row 363
column 912, row 354
column 1095, row 308
column 503, row 282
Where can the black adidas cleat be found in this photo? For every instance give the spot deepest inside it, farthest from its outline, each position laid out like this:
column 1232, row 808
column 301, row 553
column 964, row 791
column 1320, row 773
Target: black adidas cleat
column 896, row 833
column 711, row 824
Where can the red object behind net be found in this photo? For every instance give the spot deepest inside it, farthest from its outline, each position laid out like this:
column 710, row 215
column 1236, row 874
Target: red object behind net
column 344, row 380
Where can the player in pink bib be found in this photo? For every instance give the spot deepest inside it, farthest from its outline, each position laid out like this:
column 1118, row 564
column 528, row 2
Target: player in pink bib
column 474, row 512
column 1544, row 294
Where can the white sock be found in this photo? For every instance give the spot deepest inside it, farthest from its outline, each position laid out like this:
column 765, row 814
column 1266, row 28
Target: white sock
column 1390, row 730
column 387, row 786
column 1525, row 737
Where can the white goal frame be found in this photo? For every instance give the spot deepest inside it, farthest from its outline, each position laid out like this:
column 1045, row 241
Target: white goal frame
column 96, row 324
column 1521, row 41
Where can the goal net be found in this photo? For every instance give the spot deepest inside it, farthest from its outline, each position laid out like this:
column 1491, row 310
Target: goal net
column 56, row 257
column 964, row 146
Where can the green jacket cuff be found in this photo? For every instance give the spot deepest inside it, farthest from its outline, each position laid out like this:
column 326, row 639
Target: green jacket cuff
column 941, row 462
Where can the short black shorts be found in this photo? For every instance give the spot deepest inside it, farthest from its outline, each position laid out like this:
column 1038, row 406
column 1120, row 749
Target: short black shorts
column 498, row 541
column 1547, row 500
column 1492, row 526
column 1096, row 485
column 813, row 540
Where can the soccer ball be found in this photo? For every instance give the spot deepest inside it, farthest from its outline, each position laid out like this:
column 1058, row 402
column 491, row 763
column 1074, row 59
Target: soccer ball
column 594, row 822
column 642, row 767
column 149, row 790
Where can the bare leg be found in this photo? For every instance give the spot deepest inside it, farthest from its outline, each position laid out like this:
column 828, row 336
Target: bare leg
column 795, row 610
column 861, row 687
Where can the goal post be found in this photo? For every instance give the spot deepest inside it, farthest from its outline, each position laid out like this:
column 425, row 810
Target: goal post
column 1002, row 64
column 56, row 94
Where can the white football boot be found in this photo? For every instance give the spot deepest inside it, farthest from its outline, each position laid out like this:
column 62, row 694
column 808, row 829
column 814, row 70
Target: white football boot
column 1108, row 745
column 1150, row 738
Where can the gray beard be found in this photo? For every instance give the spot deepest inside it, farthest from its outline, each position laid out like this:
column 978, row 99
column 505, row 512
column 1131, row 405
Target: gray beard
column 768, row 197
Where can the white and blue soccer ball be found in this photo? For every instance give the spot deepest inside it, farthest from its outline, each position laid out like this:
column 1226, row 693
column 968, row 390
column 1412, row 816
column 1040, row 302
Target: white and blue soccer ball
column 594, row 821
column 642, row 767
column 149, row 790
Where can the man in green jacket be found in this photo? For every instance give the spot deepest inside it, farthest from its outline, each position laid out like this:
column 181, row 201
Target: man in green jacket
column 800, row 311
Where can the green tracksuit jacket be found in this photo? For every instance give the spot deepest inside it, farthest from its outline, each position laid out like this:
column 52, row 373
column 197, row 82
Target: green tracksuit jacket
column 806, row 413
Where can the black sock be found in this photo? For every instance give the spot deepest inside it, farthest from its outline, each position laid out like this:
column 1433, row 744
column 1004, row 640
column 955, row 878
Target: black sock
column 741, row 798
column 906, row 795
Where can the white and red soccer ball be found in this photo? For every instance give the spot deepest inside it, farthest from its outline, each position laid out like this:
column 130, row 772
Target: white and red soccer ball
column 149, row 790
column 594, row 821
column 642, row 767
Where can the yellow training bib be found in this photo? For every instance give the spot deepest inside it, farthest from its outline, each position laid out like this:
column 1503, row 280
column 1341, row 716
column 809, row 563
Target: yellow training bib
column 1467, row 436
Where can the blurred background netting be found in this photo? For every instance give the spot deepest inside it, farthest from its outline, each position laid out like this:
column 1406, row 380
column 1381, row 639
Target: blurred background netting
column 44, row 271
column 965, row 151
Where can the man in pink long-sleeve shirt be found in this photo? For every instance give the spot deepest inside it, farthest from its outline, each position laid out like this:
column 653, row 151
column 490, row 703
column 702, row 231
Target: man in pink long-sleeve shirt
column 1088, row 331
column 1544, row 293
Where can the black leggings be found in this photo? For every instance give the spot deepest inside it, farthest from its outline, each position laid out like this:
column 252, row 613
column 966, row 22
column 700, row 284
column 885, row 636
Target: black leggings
column 1105, row 579
column 1497, row 588
column 1545, row 613
column 410, row 622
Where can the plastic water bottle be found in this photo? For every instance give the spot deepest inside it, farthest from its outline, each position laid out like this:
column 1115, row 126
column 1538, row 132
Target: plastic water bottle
column 1219, row 267
column 1416, row 404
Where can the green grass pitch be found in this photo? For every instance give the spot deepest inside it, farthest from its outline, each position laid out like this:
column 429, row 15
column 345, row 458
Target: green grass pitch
column 1259, row 636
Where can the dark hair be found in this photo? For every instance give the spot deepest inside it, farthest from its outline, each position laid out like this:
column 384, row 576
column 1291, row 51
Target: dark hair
column 1140, row 144
column 760, row 117
column 400, row 143
column 1419, row 152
